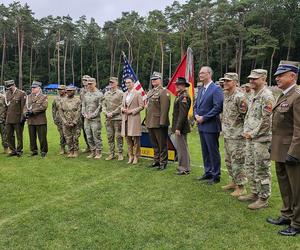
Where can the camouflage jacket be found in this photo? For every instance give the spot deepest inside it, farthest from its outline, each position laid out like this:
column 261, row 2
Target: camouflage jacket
column 92, row 104
column 112, row 103
column 70, row 111
column 234, row 110
column 56, row 106
column 3, row 108
column 258, row 117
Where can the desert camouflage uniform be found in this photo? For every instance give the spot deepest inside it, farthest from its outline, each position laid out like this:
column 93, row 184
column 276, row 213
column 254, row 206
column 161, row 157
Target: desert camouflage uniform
column 3, row 110
column 258, row 125
column 70, row 114
column 91, row 107
column 112, row 104
column 235, row 108
column 56, row 106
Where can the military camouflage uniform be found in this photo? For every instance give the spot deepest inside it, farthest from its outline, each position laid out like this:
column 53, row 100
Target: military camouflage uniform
column 235, row 108
column 56, row 106
column 83, row 91
column 70, row 114
column 258, row 125
column 112, row 104
column 3, row 109
column 91, row 107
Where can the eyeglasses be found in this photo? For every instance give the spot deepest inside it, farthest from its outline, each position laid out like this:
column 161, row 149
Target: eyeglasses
column 128, row 82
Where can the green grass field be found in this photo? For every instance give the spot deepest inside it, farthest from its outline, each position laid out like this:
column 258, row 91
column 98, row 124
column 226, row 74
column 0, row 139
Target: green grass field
column 60, row 203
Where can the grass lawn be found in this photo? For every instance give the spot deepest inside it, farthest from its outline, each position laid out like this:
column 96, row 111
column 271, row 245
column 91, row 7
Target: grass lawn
column 60, row 203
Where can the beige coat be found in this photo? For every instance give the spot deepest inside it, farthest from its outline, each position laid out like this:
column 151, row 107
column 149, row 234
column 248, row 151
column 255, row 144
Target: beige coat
column 135, row 105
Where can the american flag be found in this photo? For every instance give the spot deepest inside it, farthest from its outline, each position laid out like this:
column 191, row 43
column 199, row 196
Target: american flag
column 128, row 72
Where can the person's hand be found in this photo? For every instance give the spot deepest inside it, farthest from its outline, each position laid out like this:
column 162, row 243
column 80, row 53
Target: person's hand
column 247, row 136
column 291, row 161
column 199, row 119
column 177, row 132
column 109, row 115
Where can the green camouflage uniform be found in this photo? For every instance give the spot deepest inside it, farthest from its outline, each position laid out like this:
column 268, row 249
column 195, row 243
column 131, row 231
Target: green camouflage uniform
column 70, row 114
column 235, row 108
column 3, row 110
column 112, row 104
column 56, row 106
column 91, row 107
column 258, row 125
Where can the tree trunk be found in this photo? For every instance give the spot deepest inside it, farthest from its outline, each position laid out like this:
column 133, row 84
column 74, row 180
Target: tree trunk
column 49, row 67
column 65, row 60
column 30, row 67
column 58, row 57
column 97, row 69
column 240, row 58
column 162, row 58
column 271, row 66
column 81, row 62
column 181, row 45
column 3, row 59
column 206, row 40
column 137, row 60
column 72, row 65
column 20, row 51
column 289, row 44
column 221, row 59
column 152, row 65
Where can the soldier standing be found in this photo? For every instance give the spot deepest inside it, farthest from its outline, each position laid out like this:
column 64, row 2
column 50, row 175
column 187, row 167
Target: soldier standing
column 248, row 92
column 35, row 112
column 112, row 110
column 3, row 110
column 56, row 106
column 285, row 149
column 180, row 125
column 83, row 91
column 91, row 110
column 70, row 114
column 257, row 131
column 15, row 101
column 235, row 107
column 157, row 120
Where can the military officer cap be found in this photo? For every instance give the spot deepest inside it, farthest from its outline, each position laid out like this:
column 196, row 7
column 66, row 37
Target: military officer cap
column 36, row 84
column 258, row 73
column 287, row 66
column 182, row 81
column 230, row 77
column 9, row 83
column 71, row 88
column 156, row 75
column 113, row 79
column 61, row 87
column 91, row 80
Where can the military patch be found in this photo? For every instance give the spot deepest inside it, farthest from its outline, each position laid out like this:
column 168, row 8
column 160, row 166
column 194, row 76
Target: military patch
column 243, row 105
column 268, row 108
column 284, row 104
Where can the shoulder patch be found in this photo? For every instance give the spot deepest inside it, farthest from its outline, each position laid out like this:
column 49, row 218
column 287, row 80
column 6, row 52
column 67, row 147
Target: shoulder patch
column 268, row 107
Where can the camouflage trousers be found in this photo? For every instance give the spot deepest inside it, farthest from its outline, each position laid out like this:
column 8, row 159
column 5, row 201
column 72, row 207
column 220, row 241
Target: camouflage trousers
column 235, row 160
column 3, row 135
column 72, row 137
column 258, row 168
column 62, row 139
column 113, row 130
column 92, row 129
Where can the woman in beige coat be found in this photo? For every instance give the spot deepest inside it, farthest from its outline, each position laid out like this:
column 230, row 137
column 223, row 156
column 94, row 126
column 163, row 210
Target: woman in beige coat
column 131, row 120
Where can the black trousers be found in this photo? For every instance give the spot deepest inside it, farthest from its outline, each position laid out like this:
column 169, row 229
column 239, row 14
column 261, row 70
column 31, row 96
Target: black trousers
column 159, row 139
column 11, row 129
column 39, row 131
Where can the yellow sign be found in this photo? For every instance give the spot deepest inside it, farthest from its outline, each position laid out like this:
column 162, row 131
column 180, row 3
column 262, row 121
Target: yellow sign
column 149, row 152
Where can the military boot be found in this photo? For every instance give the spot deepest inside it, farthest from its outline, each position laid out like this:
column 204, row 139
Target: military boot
column 135, row 160
column 75, row 154
column 71, row 153
column 62, row 150
column 110, row 157
column 91, row 155
column 260, row 203
column 98, row 154
column 120, row 157
column 130, row 160
column 229, row 186
column 248, row 197
column 238, row 191
column 6, row 151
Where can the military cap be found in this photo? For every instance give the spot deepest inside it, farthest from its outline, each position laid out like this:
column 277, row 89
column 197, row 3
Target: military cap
column 9, row 83
column 91, row 80
column 156, row 75
column 61, row 87
column 36, row 84
column 221, row 80
column 113, row 79
column 258, row 73
column 182, row 81
column 247, row 85
column 71, row 88
column 287, row 66
column 230, row 76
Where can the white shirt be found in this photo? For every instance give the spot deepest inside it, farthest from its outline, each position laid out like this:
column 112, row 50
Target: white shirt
column 206, row 86
column 288, row 89
column 128, row 97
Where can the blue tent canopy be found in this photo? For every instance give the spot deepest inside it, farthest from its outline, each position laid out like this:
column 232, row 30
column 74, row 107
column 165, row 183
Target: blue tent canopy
column 52, row 86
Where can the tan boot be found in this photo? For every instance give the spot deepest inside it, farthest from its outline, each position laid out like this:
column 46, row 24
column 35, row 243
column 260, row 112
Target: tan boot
column 120, row 157
column 71, row 153
column 260, row 203
column 6, row 151
column 75, row 154
column 62, row 150
column 248, row 197
column 130, row 160
column 238, row 191
column 91, row 155
column 110, row 157
column 98, row 155
column 229, row 186
column 135, row 160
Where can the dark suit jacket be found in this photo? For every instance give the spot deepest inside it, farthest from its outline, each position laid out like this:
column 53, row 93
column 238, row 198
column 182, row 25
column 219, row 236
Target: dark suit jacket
column 210, row 105
column 286, row 126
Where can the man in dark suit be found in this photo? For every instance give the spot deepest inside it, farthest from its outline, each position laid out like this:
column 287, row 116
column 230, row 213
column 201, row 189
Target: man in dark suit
column 285, row 146
column 207, row 109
